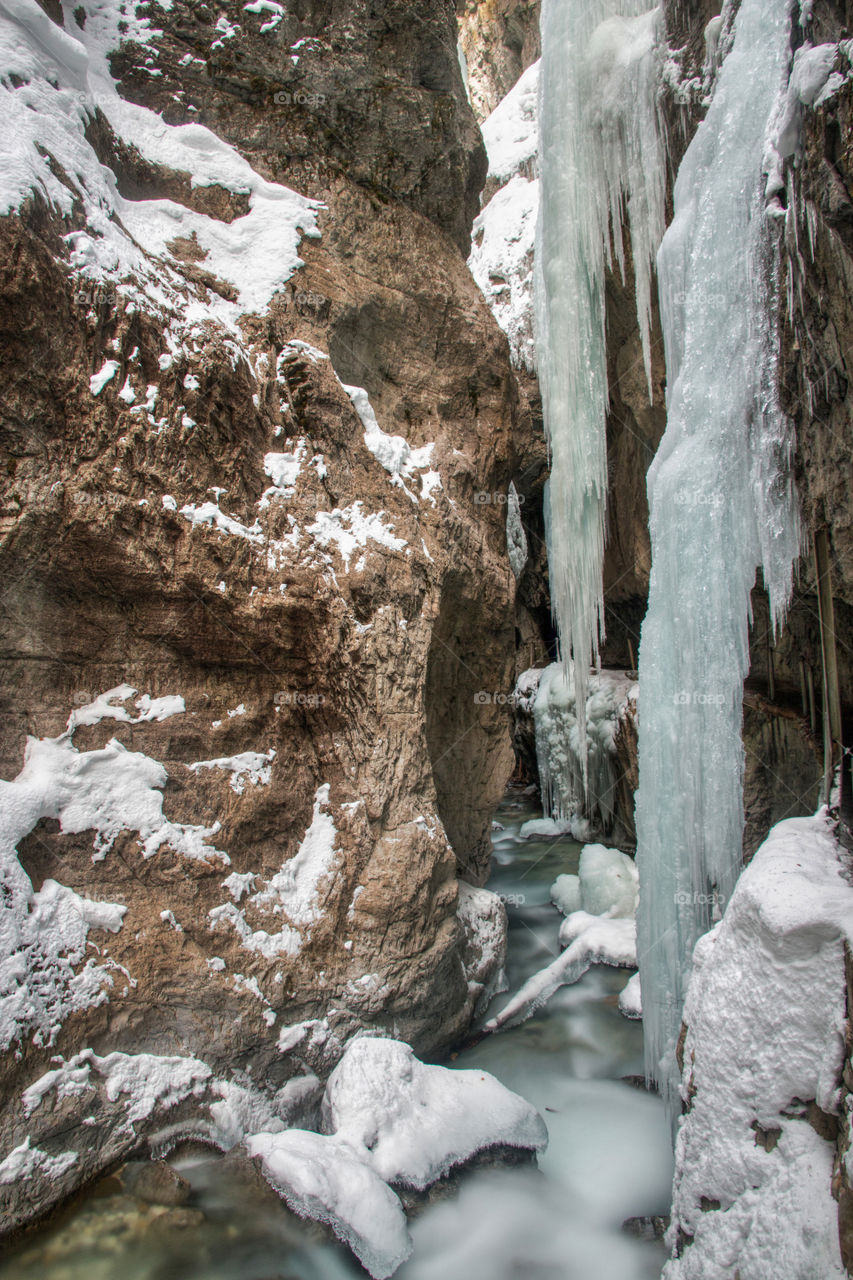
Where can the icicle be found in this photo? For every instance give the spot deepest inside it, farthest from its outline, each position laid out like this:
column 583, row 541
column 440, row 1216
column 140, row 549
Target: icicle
column 601, row 159
column 721, row 503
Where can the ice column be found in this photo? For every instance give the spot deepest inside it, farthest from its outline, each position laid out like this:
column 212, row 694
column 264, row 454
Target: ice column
column 602, row 162
column 722, row 503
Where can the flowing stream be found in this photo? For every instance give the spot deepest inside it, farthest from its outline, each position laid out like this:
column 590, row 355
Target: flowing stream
column 609, row 1156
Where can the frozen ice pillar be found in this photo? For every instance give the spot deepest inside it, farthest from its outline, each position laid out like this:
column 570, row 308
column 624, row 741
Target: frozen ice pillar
column 722, row 503
column 602, row 164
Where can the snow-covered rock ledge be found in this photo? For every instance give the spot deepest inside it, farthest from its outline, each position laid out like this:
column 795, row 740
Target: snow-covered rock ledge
column 763, row 1051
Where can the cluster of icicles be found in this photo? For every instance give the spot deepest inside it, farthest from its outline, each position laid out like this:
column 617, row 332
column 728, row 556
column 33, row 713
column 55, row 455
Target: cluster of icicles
column 721, row 498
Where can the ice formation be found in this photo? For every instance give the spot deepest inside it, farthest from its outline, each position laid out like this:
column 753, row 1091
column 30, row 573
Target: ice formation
column 765, row 1016
column 599, row 904
column 570, row 747
column 483, row 918
column 722, row 503
column 602, row 162
column 516, row 538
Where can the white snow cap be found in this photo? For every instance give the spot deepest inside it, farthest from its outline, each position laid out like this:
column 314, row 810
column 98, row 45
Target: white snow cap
column 324, row 1179
column 765, row 1016
column 413, row 1122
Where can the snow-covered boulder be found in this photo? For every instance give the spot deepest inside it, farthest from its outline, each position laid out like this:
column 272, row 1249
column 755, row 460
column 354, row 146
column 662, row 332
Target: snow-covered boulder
column 765, row 1019
column 324, row 1179
column 609, row 884
column 413, row 1122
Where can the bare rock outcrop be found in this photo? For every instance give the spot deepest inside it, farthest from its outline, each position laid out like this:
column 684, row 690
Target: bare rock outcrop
column 246, row 434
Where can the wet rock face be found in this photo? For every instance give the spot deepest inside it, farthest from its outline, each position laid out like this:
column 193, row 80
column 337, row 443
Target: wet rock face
column 335, row 618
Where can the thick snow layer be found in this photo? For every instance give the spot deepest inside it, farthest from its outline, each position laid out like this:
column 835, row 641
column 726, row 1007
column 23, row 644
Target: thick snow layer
column 142, row 1081
column 504, row 233
column 294, row 892
column 323, row 1178
column 412, row 1122
column 252, row 767
column 809, row 74
column 588, row 940
column 511, row 133
column 570, row 748
column 61, row 78
column 566, row 894
column 395, row 453
column 501, row 262
column 26, row 1160
column 544, row 829
column 606, row 884
column 765, row 1016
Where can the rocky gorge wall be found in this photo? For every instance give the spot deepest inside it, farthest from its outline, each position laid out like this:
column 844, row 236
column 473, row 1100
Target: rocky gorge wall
column 293, row 592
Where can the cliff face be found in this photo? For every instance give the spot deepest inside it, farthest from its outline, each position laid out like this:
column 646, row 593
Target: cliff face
column 256, row 447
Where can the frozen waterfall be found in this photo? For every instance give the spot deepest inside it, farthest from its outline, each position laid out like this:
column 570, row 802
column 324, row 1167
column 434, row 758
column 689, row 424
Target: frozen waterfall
column 722, row 504
column 602, row 163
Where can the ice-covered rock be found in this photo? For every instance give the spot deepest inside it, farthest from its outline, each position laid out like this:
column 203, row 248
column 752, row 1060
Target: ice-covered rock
column 578, row 768
column 324, row 1179
column 413, row 1122
column 588, row 940
column 483, row 918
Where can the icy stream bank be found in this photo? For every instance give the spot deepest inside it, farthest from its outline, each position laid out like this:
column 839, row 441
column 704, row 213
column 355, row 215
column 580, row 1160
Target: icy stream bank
column 608, row 1156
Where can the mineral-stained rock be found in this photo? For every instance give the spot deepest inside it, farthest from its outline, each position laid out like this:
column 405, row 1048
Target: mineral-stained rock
column 189, row 510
